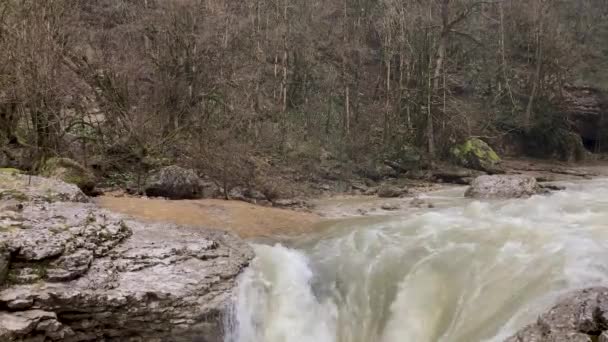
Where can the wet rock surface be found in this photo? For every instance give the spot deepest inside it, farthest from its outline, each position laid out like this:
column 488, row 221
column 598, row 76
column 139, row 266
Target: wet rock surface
column 581, row 316
column 503, row 186
column 72, row 272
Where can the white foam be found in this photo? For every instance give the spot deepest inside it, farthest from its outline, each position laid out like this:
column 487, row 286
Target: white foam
column 477, row 271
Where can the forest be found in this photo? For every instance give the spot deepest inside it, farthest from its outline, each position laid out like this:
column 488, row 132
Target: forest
column 252, row 91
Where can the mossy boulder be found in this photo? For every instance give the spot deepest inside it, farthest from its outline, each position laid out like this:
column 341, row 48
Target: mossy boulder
column 69, row 171
column 476, row 154
column 571, row 147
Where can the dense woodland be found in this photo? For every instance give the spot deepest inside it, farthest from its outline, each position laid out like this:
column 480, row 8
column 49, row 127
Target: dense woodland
column 231, row 88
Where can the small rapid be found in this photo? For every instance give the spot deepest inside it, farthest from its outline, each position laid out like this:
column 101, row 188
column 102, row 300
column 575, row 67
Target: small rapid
column 469, row 271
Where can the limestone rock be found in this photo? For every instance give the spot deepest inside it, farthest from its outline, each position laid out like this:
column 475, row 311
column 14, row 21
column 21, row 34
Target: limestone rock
column 174, row 182
column 69, row 171
column 503, row 186
column 80, row 273
column 24, row 188
column 579, row 317
column 57, row 242
column 389, row 191
column 478, row 155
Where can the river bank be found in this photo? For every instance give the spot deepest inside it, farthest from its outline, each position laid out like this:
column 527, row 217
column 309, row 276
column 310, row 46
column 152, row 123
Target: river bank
column 249, row 220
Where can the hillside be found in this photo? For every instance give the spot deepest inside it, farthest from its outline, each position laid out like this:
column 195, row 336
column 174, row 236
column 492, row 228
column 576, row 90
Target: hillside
column 267, row 92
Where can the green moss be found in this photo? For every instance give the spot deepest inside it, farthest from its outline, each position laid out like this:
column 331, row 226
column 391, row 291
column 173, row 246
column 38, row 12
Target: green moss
column 475, row 153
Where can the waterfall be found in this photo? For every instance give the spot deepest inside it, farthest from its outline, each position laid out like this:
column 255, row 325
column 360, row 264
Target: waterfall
column 473, row 271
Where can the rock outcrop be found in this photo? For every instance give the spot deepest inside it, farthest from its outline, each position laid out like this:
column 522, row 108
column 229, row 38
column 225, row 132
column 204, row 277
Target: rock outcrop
column 476, row 154
column 75, row 272
column 69, row 171
column 24, row 188
column 580, row 317
column 174, row 182
column 503, row 186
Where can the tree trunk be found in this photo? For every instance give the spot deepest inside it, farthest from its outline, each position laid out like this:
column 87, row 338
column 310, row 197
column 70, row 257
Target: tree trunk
column 536, row 81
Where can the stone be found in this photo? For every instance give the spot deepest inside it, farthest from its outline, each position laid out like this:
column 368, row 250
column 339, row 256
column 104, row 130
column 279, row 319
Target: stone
column 456, row 175
column 476, row 154
column 552, row 187
column 389, row 191
column 579, row 317
column 390, row 206
column 25, row 188
column 174, row 182
column 69, row 171
column 503, row 186
column 421, row 203
column 291, row 203
column 80, row 273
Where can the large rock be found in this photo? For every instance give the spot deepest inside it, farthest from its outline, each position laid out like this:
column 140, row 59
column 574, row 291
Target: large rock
column 69, row 171
column 478, row 155
column 503, row 186
column 582, row 316
column 24, row 188
column 456, row 175
column 79, row 273
column 174, row 182
column 391, row 191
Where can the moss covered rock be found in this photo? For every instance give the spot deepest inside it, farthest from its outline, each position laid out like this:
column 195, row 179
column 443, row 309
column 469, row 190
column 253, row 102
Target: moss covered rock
column 69, row 171
column 476, row 154
column 571, row 147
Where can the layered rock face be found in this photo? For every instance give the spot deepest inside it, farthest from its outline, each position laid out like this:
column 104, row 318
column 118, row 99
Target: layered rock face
column 581, row 316
column 70, row 271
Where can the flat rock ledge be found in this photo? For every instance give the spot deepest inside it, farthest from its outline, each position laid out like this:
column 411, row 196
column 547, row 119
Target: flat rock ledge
column 70, row 271
column 581, row 316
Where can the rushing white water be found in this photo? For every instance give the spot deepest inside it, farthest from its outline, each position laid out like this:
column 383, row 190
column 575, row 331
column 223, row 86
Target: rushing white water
column 472, row 271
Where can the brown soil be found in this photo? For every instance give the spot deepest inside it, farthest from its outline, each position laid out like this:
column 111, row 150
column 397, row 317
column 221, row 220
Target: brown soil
column 244, row 219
